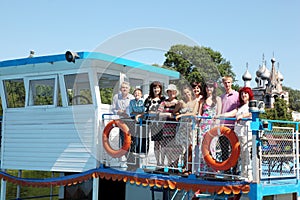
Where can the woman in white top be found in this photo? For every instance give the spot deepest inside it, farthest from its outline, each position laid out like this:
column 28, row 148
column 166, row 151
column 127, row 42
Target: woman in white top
column 183, row 112
column 241, row 129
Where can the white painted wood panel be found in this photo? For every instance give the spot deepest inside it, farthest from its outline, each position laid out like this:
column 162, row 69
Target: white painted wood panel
column 50, row 139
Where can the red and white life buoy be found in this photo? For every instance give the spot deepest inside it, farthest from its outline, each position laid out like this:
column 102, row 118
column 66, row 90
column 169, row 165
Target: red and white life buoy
column 127, row 138
column 235, row 148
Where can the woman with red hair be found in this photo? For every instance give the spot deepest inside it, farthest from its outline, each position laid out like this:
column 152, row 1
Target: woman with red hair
column 241, row 129
column 249, row 92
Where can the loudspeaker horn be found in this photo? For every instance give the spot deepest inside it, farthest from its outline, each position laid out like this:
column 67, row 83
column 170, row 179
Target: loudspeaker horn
column 71, row 56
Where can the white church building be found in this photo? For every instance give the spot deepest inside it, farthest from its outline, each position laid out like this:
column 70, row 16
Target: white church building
column 268, row 84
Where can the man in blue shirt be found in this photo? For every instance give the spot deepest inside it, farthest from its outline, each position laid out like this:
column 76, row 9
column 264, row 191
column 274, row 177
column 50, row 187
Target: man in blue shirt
column 136, row 105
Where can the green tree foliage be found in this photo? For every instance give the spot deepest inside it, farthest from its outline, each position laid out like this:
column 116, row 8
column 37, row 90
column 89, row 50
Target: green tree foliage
column 279, row 112
column 15, row 93
column 44, row 95
column 294, row 98
column 11, row 189
column 106, row 95
column 197, row 63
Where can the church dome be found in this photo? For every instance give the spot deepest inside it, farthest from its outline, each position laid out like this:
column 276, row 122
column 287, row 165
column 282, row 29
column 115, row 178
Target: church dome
column 266, row 74
column 247, row 76
column 261, row 70
column 280, row 76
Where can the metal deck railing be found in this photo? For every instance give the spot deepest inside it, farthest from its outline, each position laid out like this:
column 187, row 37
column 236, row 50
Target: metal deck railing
column 278, row 153
column 176, row 147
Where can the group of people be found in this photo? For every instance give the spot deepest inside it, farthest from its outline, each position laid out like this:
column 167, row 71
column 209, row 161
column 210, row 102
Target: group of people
column 197, row 100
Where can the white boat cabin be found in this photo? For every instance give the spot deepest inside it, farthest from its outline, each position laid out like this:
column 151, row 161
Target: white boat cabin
column 53, row 105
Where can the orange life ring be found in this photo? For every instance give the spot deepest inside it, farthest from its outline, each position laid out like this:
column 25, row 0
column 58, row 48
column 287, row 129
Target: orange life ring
column 127, row 138
column 235, row 148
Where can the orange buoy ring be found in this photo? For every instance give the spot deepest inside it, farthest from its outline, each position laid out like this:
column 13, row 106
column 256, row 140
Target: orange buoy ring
column 127, row 138
column 235, row 148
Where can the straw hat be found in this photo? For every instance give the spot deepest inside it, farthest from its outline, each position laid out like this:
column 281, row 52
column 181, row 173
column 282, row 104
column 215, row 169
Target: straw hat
column 171, row 87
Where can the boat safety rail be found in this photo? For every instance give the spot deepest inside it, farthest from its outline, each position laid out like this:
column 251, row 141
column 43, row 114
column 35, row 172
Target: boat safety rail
column 189, row 145
column 279, row 154
column 180, row 143
column 106, row 114
column 147, row 115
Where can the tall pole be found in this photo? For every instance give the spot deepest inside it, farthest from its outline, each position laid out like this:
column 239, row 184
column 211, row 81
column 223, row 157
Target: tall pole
column 3, row 189
column 256, row 126
column 19, row 186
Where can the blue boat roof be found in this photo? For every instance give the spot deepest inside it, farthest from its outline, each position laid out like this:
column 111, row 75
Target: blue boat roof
column 90, row 55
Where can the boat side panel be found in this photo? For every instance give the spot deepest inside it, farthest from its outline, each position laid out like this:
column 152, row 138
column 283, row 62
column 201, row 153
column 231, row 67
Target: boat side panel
column 49, row 139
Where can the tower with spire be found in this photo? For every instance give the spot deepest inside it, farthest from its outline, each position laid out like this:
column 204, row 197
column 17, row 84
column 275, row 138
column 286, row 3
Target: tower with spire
column 268, row 84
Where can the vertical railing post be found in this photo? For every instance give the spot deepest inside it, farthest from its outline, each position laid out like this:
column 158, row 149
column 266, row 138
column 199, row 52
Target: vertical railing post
column 61, row 190
column 255, row 127
column 51, row 187
column 141, row 141
column 3, row 188
column 19, row 186
column 193, row 144
column 95, row 195
column 255, row 143
column 297, row 150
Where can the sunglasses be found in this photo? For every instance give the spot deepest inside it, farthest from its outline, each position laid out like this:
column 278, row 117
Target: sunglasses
column 158, row 101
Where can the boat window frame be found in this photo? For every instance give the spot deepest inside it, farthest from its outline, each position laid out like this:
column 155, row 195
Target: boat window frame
column 4, row 95
column 79, row 84
column 28, row 101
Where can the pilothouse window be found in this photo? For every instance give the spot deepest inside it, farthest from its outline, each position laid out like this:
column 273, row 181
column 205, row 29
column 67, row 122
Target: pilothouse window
column 107, row 82
column 78, row 89
column 14, row 93
column 41, row 92
column 109, row 85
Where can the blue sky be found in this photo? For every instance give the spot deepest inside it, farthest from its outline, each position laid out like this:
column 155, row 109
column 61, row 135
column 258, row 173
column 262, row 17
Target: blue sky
column 242, row 31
